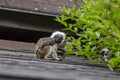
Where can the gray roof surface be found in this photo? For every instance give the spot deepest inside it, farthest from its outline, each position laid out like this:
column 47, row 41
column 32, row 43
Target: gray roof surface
column 44, row 6
column 18, row 65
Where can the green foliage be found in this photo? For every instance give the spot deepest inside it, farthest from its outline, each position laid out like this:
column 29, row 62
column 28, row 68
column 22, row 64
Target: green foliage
column 97, row 24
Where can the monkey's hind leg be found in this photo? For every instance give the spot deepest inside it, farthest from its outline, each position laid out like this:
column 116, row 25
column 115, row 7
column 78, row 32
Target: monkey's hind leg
column 48, row 52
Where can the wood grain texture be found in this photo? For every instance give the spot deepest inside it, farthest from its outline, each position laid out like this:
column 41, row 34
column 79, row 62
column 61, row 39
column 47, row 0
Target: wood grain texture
column 15, row 65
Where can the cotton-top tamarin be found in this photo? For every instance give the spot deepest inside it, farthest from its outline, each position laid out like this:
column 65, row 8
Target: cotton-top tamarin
column 49, row 46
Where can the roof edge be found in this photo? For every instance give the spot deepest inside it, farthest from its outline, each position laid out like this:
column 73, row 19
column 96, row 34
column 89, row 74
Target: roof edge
column 28, row 11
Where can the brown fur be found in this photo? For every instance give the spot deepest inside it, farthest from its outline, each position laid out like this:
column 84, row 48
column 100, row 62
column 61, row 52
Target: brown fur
column 43, row 47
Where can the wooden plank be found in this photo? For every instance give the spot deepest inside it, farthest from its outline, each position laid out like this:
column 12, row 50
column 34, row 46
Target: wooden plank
column 35, row 69
column 29, row 55
column 22, row 69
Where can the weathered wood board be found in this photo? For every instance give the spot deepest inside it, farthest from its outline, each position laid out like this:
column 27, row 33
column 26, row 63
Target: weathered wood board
column 22, row 65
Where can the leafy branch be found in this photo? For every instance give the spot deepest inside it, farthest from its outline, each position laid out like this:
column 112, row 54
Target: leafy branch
column 97, row 25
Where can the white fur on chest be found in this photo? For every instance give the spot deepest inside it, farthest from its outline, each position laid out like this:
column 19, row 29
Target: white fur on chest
column 54, row 47
column 54, row 52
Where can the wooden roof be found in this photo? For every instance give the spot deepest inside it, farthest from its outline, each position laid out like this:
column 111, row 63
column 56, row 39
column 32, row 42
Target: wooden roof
column 21, row 19
column 43, row 6
column 18, row 62
column 22, row 65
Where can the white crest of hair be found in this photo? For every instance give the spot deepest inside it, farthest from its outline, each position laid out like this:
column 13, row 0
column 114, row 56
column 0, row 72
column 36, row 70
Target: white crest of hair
column 58, row 33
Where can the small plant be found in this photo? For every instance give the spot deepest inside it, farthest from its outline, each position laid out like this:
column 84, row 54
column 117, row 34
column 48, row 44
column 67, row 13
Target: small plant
column 96, row 25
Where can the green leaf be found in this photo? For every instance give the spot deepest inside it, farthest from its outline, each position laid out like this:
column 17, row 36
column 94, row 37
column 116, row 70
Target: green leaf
column 97, row 34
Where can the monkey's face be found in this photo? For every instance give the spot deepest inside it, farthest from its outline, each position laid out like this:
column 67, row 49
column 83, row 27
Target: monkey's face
column 58, row 38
